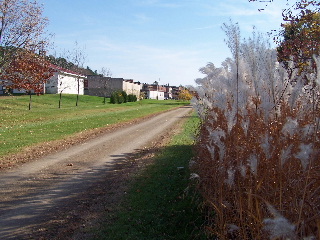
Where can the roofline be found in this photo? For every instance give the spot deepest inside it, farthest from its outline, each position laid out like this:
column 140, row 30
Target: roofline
column 61, row 69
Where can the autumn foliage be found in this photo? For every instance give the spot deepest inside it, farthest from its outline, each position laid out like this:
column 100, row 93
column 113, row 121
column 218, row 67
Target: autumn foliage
column 185, row 95
column 301, row 41
column 28, row 71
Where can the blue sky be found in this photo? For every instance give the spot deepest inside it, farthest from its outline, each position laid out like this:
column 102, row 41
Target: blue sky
column 148, row 40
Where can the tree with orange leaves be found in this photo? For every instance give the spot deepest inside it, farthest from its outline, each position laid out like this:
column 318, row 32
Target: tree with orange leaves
column 28, row 71
column 185, row 95
column 301, row 41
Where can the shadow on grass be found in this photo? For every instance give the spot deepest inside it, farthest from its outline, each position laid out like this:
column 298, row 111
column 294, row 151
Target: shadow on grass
column 160, row 202
column 136, row 196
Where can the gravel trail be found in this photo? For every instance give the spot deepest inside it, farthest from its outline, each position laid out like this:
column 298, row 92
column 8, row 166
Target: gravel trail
column 31, row 193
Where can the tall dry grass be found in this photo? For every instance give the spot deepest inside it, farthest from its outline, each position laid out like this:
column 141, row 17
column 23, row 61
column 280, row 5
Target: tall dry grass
column 258, row 149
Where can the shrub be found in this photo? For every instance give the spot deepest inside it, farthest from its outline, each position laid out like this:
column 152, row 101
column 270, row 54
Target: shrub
column 258, row 146
column 124, row 96
column 132, row 98
column 113, row 98
column 118, row 97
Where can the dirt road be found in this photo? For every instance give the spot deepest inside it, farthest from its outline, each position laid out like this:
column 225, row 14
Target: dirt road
column 37, row 190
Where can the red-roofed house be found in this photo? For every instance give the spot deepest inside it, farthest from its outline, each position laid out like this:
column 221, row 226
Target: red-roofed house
column 65, row 81
column 62, row 81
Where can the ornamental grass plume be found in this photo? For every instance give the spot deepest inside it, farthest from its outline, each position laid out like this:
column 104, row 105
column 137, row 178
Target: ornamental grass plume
column 258, row 147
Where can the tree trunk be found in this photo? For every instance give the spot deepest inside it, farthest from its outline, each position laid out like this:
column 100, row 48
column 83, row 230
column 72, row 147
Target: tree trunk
column 30, row 100
column 78, row 92
column 60, row 100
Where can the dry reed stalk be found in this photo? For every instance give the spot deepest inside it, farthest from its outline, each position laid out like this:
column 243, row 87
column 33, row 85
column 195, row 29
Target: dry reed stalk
column 282, row 185
column 258, row 147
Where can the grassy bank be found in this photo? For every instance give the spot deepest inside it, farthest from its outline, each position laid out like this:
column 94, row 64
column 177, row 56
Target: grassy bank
column 159, row 204
column 20, row 127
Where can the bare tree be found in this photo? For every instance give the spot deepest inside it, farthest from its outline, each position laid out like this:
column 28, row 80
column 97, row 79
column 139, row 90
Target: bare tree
column 78, row 57
column 60, row 62
column 22, row 26
column 105, row 72
column 61, row 89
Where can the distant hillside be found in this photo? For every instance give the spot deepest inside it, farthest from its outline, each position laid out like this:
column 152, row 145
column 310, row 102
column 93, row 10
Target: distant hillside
column 64, row 63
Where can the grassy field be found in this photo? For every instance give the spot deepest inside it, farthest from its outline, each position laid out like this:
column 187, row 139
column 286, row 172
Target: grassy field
column 160, row 203
column 20, row 127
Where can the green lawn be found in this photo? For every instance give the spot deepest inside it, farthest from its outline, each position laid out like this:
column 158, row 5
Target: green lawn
column 20, row 127
column 160, row 203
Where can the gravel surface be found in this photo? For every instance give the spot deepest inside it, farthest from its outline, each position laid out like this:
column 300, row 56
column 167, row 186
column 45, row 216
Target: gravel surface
column 64, row 189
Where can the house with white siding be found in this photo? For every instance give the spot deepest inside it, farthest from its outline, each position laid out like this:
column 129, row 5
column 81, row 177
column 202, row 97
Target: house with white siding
column 158, row 95
column 154, row 91
column 62, row 81
column 65, row 81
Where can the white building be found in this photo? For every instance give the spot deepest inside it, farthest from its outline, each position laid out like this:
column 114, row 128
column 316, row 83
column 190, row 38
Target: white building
column 131, row 87
column 155, row 95
column 65, row 81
